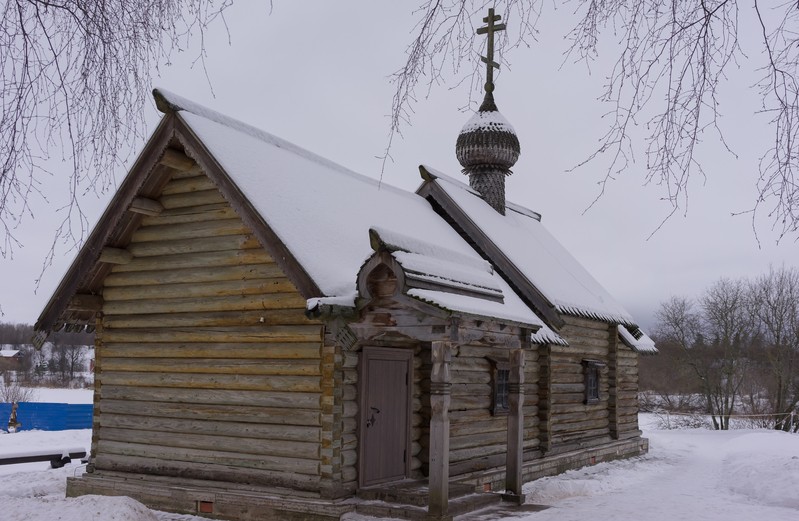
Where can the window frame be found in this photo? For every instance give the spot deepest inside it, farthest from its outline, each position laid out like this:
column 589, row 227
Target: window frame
column 592, row 374
column 500, row 387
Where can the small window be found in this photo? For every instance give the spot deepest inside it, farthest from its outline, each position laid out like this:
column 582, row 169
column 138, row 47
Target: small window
column 592, row 372
column 500, row 374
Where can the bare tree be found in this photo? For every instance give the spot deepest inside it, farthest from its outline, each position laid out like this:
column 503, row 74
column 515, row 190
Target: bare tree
column 75, row 77
column 775, row 303
column 672, row 61
column 729, row 330
column 715, row 340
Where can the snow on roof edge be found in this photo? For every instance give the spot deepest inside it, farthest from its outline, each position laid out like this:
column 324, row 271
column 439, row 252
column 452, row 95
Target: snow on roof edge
column 639, row 342
column 545, row 335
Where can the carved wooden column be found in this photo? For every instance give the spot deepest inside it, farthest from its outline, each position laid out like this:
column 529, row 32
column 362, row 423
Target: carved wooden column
column 440, row 387
column 513, row 464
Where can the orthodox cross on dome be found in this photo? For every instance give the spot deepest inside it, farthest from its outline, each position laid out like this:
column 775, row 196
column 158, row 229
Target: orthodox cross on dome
column 489, row 60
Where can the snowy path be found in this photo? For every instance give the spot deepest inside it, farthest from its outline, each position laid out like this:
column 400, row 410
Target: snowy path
column 689, row 475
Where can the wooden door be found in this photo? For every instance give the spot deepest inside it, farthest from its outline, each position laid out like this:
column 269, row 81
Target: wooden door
column 385, row 415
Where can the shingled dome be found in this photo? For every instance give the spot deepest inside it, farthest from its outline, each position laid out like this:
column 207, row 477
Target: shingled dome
column 487, row 148
column 487, row 141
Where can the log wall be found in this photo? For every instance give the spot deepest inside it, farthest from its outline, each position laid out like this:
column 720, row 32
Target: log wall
column 570, row 419
column 208, row 367
column 625, row 393
column 478, row 439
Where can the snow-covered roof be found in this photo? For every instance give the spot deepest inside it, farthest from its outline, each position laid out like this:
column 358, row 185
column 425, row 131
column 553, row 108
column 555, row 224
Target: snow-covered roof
column 323, row 213
column 523, row 239
column 637, row 340
column 9, row 353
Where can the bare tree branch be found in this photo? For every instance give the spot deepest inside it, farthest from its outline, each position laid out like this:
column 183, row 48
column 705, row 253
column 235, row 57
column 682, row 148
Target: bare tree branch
column 75, row 74
column 672, row 61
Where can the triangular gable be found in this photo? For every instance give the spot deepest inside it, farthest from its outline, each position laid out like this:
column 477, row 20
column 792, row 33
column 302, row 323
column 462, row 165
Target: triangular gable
column 545, row 274
column 77, row 299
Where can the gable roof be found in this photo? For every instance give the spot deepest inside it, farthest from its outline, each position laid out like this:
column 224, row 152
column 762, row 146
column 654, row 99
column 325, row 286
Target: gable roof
column 313, row 215
column 539, row 267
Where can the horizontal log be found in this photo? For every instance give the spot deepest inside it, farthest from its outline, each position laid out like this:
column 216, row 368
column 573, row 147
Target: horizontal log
column 264, row 447
column 242, row 430
column 585, row 323
column 579, row 435
column 192, row 199
column 300, row 384
column 85, row 302
column 213, row 412
column 175, row 456
column 213, row 304
column 470, row 402
column 188, row 184
column 594, row 348
column 225, row 288
column 587, row 425
column 145, row 206
column 194, row 230
column 290, row 400
column 480, row 464
column 469, row 428
column 276, row 351
column 480, row 439
column 470, row 389
column 223, row 318
column 115, row 255
column 171, row 275
column 461, row 363
column 177, row 160
column 192, row 246
column 209, row 259
column 567, row 388
column 237, row 335
column 470, row 377
column 195, row 468
column 559, row 417
column 476, row 452
column 214, row 366
column 192, row 214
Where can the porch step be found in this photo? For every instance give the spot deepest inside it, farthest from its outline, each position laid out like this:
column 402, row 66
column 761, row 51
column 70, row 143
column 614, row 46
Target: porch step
column 460, row 505
column 410, row 492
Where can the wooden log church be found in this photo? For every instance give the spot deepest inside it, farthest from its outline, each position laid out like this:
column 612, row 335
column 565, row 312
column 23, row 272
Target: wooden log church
column 278, row 337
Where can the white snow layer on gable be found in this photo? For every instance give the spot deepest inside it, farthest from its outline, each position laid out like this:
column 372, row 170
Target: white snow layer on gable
column 538, row 255
column 322, row 212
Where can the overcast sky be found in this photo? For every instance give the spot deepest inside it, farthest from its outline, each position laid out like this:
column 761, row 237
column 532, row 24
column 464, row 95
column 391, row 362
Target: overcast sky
column 316, row 73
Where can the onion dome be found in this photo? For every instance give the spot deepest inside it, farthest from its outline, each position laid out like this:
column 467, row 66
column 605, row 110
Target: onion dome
column 487, row 148
column 487, row 141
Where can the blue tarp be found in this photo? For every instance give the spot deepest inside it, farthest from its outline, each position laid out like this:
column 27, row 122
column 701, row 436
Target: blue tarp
column 5, row 414
column 48, row 416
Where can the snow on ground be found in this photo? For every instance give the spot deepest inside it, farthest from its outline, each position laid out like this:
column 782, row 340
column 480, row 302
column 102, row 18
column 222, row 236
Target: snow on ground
column 696, row 475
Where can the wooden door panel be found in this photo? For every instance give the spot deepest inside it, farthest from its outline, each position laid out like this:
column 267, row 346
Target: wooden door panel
column 385, row 415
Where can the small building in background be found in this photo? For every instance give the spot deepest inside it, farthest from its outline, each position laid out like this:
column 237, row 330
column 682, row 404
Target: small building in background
column 10, row 359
